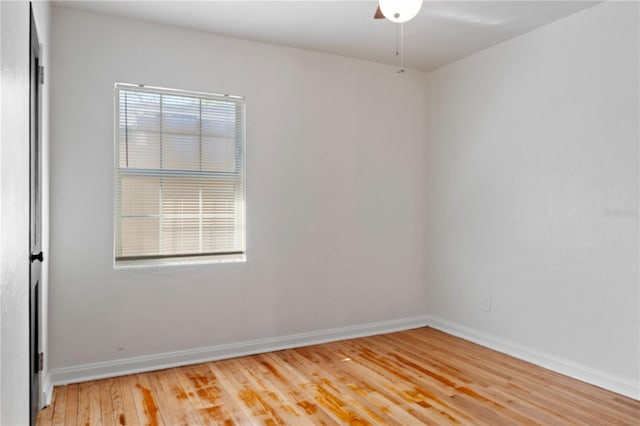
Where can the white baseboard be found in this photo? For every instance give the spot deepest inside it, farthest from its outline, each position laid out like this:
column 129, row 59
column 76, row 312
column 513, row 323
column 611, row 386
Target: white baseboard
column 120, row 367
column 604, row 380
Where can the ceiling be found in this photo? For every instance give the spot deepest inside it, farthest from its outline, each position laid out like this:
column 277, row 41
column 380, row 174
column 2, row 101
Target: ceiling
column 443, row 31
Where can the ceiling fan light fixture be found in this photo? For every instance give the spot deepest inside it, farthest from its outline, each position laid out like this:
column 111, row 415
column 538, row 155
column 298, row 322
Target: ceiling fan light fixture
column 400, row 11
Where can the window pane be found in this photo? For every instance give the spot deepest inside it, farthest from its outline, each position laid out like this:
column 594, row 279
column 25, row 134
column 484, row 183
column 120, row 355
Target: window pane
column 143, row 150
column 218, row 154
column 180, row 152
column 219, row 198
column 140, row 196
column 219, row 235
column 139, row 130
column 140, row 236
column 180, row 196
column 180, row 235
column 181, row 207
column 180, row 115
column 218, row 118
column 139, row 110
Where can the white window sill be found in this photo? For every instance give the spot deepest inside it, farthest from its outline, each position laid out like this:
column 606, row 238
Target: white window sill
column 179, row 261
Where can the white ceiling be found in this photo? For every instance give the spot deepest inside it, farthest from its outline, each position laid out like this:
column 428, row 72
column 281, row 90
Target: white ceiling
column 443, row 31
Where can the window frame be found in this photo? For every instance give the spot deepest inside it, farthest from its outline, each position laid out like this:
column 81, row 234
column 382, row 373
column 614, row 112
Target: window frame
column 240, row 173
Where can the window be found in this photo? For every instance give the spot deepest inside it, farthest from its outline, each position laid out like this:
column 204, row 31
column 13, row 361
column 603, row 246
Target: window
column 179, row 176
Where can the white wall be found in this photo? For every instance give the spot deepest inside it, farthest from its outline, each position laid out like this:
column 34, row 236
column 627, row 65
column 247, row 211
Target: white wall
column 334, row 192
column 14, row 203
column 533, row 194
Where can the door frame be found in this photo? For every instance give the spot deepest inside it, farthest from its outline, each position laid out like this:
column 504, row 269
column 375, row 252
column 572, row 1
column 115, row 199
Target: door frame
column 35, row 219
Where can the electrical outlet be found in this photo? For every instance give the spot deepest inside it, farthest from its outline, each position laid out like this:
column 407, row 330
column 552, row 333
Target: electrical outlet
column 486, row 303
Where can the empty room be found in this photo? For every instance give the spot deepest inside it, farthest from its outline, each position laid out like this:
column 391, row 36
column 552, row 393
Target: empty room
column 400, row 212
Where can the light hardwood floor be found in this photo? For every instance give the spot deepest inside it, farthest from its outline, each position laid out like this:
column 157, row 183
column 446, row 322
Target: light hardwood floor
column 414, row 377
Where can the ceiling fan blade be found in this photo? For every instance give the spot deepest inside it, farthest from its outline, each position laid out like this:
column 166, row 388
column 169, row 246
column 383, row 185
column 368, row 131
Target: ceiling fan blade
column 378, row 14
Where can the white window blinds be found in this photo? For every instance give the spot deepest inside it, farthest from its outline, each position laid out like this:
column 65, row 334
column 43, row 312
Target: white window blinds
column 179, row 176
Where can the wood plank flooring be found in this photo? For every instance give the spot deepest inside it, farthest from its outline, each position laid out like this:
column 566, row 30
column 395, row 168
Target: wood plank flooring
column 420, row 376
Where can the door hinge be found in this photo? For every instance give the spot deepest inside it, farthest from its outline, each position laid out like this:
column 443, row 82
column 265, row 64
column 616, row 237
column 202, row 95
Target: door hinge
column 41, row 75
column 41, row 361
